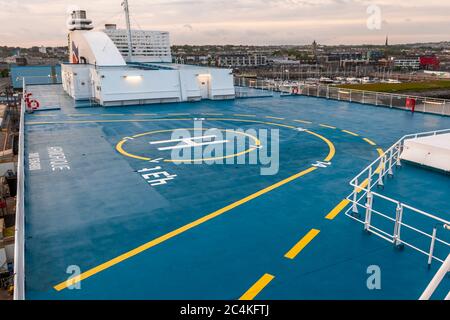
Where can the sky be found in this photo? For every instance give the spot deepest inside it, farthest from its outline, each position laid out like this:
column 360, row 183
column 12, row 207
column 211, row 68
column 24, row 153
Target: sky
column 29, row 23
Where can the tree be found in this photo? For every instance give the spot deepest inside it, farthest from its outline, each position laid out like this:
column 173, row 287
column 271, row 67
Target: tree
column 4, row 73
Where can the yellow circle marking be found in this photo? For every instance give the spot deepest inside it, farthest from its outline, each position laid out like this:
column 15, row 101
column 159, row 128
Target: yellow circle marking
column 130, row 254
column 121, row 150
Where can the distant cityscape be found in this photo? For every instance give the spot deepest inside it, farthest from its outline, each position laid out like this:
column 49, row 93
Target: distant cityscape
column 283, row 62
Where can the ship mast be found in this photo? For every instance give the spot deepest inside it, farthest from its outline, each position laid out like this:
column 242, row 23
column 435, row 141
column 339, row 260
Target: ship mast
column 127, row 18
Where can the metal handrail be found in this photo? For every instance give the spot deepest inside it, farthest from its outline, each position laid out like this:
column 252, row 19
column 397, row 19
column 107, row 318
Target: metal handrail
column 429, row 104
column 385, row 93
column 398, row 144
column 436, row 281
column 363, row 191
column 349, row 91
column 19, row 246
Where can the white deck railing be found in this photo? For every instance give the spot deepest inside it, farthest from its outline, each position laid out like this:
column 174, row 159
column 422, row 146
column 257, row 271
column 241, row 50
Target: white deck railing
column 364, row 197
column 19, row 247
column 437, row 280
column 391, row 100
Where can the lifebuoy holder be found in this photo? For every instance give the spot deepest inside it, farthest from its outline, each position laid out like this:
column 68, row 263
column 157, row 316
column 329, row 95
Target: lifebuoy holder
column 32, row 104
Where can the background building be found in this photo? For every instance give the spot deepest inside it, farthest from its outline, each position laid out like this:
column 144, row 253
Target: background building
column 148, row 46
column 407, row 63
column 241, row 60
column 429, row 63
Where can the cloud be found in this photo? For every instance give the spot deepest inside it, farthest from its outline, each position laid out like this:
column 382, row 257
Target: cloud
column 235, row 21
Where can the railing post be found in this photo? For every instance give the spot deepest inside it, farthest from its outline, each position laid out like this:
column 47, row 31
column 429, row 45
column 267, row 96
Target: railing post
column 381, row 171
column 328, row 91
column 376, row 98
column 355, row 198
column 350, row 96
column 433, row 241
column 392, row 97
column 398, row 224
column 399, row 151
column 369, row 204
column 364, row 97
column 390, row 171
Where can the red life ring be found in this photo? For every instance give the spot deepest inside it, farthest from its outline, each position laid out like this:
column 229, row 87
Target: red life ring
column 295, row 90
column 27, row 97
column 33, row 104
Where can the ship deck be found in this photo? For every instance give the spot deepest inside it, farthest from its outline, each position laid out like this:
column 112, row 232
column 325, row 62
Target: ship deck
column 215, row 231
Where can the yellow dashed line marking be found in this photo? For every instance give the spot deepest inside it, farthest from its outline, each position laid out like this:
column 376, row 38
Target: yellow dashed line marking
column 380, row 152
column 276, row 118
column 303, row 121
column 244, row 115
column 172, row 234
column 370, row 142
column 327, row 126
column 302, row 244
column 351, row 133
column 261, row 283
column 257, row 287
column 333, row 213
column 101, row 121
column 341, row 206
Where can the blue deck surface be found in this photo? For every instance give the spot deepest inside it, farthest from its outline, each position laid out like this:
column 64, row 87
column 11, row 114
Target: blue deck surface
column 102, row 207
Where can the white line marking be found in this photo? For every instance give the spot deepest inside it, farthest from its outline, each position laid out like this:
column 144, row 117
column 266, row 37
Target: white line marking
column 183, row 140
column 182, row 146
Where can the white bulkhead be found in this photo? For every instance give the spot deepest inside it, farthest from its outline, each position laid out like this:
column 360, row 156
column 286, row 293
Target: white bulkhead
column 98, row 71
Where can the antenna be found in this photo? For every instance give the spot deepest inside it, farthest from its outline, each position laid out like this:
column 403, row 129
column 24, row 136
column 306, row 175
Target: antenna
column 127, row 18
